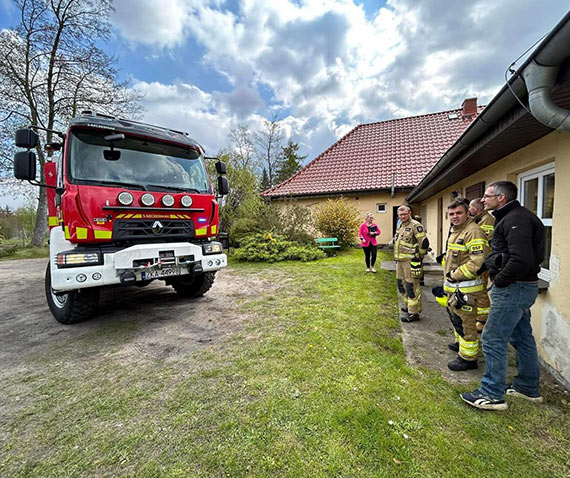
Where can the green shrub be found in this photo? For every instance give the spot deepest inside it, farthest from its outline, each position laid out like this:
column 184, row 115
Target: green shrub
column 274, row 248
column 337, row 218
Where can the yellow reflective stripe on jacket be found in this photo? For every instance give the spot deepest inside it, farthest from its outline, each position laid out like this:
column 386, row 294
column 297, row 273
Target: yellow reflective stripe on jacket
column 483, row 310
column 466, row 286
column 407, row 244
column 456, row 247
column 483, row 242
column 466, row 272
column 487, row 227
column 403, row 255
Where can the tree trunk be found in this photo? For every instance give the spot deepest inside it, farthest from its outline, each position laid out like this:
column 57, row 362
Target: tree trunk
column 41, row 222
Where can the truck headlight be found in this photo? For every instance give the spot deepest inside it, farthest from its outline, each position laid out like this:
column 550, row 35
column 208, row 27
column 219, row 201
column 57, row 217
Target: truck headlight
column 147, row 199
column 186, row 201
column 77, row 259
column 125, row 198
column 212, row 248
column 168, row 200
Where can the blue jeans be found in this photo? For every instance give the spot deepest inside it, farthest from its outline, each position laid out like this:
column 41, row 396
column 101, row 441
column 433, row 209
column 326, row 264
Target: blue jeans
column 509, row 321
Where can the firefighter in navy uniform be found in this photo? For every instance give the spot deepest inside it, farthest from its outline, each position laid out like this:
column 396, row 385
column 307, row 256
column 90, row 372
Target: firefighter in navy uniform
column 464, row 285
column 410, row 247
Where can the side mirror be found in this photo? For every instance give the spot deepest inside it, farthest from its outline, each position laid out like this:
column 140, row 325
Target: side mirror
column 111, row 154
column 26, row 138
column 221, row 167
column 25, row 165
column 223, row 188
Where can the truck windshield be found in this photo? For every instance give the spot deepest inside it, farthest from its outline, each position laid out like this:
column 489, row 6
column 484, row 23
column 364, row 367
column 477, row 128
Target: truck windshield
column 143, row 164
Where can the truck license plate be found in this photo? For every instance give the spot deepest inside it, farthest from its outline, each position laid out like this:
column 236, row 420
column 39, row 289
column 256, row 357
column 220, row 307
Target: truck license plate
column 158, row 273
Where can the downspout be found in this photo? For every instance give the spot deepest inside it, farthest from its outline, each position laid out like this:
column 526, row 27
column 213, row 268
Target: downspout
column 539, row 81
column 540, row 75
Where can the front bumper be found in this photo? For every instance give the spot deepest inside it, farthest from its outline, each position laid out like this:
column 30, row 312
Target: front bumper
column 143, row 260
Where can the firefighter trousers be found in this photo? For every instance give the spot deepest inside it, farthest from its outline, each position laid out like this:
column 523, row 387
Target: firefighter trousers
column 464, row 320
column 408, row 287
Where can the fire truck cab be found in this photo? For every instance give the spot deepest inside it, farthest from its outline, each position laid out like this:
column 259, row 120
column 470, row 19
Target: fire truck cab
column 128, row 203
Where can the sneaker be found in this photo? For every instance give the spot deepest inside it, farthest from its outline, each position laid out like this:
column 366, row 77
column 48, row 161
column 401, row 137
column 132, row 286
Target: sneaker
column 460, row 364
column 373, row 270
column 367, row 270
column 478, row 400
column 403, row 309
column 513, row 392
column 454, row 346
column 410, row 318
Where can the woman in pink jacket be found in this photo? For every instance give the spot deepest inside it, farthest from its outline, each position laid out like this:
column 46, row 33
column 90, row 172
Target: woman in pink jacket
column 368, row 232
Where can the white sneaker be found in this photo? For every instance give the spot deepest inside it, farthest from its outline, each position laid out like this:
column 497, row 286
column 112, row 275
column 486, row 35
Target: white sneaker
column 513, row 392
column 367, row 270
column 373, row 270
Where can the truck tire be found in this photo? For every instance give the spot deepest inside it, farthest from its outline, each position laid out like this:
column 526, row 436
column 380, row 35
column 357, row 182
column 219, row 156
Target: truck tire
column 73, row 306
column 194, row 286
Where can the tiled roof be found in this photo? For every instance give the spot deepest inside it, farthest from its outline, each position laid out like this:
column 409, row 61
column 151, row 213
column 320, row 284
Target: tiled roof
column 366, row 158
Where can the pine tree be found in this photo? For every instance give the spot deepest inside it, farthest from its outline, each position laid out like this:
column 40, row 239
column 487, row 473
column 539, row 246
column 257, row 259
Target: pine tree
column 290, row 162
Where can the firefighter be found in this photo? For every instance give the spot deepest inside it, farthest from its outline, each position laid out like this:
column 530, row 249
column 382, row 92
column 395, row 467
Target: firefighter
column 410, row 247
column 486, row 221
column 465, row 288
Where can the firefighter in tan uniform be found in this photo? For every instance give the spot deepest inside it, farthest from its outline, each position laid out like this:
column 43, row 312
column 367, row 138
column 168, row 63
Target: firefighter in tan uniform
column 486, row 221
column 465, row 287
column 410, row 247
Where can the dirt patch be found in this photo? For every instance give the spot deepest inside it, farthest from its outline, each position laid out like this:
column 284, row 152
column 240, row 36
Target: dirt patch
column 152, row 322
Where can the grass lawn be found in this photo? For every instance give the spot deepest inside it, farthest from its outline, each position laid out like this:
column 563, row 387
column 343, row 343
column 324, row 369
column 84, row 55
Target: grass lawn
column 315, row 385
column 11, row 250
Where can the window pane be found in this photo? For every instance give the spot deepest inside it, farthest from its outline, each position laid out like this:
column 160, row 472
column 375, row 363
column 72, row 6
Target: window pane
column 531, row 194
column 548, row 196
column 547, row 247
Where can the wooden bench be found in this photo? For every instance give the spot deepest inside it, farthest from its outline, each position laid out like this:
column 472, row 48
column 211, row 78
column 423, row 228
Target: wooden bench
column 328, row 244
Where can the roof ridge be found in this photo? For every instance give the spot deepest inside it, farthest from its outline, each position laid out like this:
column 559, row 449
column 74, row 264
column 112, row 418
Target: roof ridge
column 480, row 107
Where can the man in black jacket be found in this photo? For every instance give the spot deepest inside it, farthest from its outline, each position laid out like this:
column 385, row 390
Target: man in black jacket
column 517, row 252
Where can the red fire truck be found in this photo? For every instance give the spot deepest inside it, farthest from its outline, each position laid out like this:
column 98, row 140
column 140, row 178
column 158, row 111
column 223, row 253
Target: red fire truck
column 128, row 203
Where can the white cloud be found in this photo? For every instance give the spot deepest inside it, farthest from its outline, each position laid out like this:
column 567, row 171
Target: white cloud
column 327, row 65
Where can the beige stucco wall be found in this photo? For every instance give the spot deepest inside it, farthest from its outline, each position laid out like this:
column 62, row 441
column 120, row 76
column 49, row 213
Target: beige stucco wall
column 364, row 203
column 551, row 312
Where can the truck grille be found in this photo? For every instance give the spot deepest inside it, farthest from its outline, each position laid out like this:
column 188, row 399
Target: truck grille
column 152, row 229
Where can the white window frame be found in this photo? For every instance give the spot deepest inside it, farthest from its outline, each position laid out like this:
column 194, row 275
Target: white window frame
column 539, row 173
column 383, row 204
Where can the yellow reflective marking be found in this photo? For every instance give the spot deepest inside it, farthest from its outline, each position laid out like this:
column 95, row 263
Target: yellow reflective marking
column 66, row 232
column 214, row 229
column 173, row 216
column 120, row 216
column 466, row 272
column 53, row 221
column 81, row 232
column 103, row 234
column 456, row 247
column 137, row 216
column 202, row 231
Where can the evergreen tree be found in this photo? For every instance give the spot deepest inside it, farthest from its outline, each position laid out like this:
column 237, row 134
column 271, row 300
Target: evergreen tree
column 265, row 182
column 290, row 162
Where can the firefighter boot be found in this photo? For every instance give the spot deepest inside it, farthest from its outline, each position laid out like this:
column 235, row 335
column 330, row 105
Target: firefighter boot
column 410, row 318
column 460, row 364
column 453, row 346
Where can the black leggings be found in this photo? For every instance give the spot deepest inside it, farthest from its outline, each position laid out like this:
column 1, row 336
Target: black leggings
column 370, row 255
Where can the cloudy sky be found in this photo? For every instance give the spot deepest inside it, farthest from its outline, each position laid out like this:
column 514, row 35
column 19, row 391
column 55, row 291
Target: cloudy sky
column 322, row 66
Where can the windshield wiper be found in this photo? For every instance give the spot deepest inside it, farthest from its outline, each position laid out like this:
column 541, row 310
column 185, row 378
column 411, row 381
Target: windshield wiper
column 162, row 187
column 125, row 185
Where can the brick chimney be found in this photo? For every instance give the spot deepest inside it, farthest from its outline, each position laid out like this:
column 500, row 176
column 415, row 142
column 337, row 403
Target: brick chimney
column 469, row 107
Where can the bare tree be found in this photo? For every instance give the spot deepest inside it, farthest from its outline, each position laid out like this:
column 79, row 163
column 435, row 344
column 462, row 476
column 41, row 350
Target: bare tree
column 242, row 146
column 268, row 146
column 51, row 68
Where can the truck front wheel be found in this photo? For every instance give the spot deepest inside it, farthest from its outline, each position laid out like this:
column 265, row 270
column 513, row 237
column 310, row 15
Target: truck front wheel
column 194, row 286
column 73, row 306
